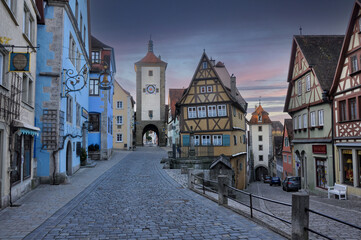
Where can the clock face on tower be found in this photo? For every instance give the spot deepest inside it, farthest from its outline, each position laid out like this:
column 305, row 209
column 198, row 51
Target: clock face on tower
column 150, row 89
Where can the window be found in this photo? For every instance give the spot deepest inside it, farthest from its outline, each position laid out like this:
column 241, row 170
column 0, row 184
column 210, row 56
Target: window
column 150, row 73
column 150, row 114
column 209, row 89
column 93, row 87
column 342, row 107
column 119, row 120
column 308, row 82
column 260, row 147
column 305, row 120
column 12, row 5
column 259, row 118
column 27, row 89
column 354, row 65
column 217, row 140
column 95, row 57
column 78, row 114
column 196, row 140
column 235, row 139
column 212, row 111
column 110, row 126
column 313, row 119
column 222, row 110
column 2, row 67
column 320, row 117
column 119, row 104
column 287, row 143
column 260, row 158
column 119, row 137
column 206, row 140
column 295, row 122
column 94, row 120
column 289, row 159
column 204, row 65
column 299, row 87
column 78, row 58
column 69, row 109
column 192, row 112
column 259, row 128
column 202, row 89
column 28, row 24
column 299, row 122
column 321, row 175
column 285, row 158
column 352, row 108
column 260, row 138
column 202, row 111
column 71, row 49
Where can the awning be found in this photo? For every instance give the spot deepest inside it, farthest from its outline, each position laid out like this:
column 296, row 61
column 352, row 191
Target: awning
column 26, row 129
column 238, row 154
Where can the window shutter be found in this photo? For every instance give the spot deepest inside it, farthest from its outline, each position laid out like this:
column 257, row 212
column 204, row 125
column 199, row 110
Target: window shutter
column 185, row 140
column 226, row 140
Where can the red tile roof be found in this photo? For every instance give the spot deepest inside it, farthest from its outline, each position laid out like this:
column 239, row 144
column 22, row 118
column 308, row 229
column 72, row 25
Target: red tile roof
column 150, row 58
column 263, row 113
column 174, row 96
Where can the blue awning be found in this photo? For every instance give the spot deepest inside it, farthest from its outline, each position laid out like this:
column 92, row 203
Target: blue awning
column 26, row 129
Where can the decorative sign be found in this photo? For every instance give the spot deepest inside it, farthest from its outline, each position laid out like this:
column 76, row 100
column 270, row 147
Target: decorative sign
column 150, row 89
column 19, row 62
column 347, row 151
column 84, row 113
column 4, row 40
column 320, row 149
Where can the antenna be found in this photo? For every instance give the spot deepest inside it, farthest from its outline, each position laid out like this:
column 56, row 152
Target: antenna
column 300, row 30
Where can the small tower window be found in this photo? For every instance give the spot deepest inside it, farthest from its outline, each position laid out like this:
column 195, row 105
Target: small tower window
column 259, row 118
column 204, row 65
column 150, row 114
column 150, row 73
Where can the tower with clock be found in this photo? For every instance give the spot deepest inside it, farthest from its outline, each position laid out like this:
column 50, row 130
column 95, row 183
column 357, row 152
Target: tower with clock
column 150, row 80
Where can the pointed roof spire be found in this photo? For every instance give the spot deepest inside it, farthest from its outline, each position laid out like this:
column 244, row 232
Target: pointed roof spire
column 150, row 44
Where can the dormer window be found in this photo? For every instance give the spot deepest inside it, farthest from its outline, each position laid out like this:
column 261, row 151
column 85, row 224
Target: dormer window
column 259, row 118
column 204, row 65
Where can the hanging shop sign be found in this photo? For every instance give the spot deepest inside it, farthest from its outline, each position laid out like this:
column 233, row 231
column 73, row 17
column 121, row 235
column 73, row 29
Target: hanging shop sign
column 84, row 113
column 19, row 62
column 319, row 149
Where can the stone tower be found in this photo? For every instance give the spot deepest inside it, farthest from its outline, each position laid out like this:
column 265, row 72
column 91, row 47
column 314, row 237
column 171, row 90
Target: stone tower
column 150, row 115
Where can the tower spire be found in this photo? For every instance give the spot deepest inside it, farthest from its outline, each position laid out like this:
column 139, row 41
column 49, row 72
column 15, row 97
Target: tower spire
column 260, row 97
column 150, row 44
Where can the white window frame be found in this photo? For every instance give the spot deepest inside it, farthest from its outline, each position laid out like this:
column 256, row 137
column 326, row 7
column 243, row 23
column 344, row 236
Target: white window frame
column 299, row 122
column 120, row 120
column 119, row 104
column 196, row 140
column 212, row 111
column 299, row 89
column 95, row 56
column 222, row 110
column 192, row 112
column 206, row 140
column 313, row 119
column 295, row 122
column 305, row 120
column 202, row 89
column 217, row 140
column 202, row 112
column 27, row 89
column 308, row 82
column 320, row 117
column 119, row 135
column 209, row 89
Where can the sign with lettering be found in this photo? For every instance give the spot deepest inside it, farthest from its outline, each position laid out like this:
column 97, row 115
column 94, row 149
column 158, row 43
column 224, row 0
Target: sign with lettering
column 19, row 62
column 84, row 113
column 320, row 149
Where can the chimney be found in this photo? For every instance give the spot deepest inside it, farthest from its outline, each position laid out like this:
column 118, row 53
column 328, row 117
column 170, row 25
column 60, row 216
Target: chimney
column 233, row 85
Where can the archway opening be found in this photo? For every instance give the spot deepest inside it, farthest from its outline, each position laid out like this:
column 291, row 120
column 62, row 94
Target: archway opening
column 69, row 164
column 261, row 172
column 150, row 135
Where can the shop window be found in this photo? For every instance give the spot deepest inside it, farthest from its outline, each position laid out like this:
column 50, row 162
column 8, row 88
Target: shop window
column 321, row 170
column 94, row 119
column 352, row 109
column 342, row 110
column 347, row 166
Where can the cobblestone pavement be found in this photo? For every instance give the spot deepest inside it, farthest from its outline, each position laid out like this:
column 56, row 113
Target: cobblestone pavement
column 136, row 199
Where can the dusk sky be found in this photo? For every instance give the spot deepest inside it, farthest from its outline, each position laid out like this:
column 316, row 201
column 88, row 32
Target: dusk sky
column 253, row 39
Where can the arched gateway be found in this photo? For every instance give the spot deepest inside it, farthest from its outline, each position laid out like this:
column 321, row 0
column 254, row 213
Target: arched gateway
column 150, row 72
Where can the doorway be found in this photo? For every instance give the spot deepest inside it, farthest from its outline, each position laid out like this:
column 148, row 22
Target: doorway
column 69, row 164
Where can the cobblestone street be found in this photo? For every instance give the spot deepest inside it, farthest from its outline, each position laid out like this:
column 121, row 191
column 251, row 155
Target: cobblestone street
column 136, row 199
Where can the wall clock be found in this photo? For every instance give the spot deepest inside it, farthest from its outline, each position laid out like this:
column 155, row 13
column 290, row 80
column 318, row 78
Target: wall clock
column 150, row 89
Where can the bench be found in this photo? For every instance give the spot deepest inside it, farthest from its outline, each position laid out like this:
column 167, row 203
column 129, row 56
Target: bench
column 339, row 190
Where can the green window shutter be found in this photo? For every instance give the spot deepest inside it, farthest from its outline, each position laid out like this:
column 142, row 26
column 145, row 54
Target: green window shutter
column 185, row 140
column 226, row 140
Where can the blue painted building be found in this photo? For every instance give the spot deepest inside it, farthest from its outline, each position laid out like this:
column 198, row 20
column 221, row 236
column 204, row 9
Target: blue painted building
column 101, row 98
column 62, row 88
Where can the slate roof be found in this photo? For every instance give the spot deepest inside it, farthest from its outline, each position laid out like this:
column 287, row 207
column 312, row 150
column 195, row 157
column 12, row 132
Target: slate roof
column 260, row 111
column 277, row 126
column 321, row 53
column 174, row 95
column 98, row 44
column 289, row 127
column 278, row 140
column 223, row 160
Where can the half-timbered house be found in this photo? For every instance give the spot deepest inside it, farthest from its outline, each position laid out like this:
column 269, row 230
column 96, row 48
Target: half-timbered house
column 347, row 108
column 288, row 167
column 212, row 117
column 312, row 67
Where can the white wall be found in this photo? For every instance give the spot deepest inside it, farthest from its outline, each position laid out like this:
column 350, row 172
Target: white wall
column 150, row 101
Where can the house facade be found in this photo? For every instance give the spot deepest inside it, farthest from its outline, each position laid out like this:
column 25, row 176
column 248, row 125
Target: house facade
column 288, row 166
column 212, row 117
column 312, row 67
column 123, row 123
column 346, row 108
column 101, row 91
column 18, row 28
column 260, row 128
column 62, row 88
column 174, row 96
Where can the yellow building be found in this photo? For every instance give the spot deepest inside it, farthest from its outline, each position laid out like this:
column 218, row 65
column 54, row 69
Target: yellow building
column 123, row 122
column 212, row 117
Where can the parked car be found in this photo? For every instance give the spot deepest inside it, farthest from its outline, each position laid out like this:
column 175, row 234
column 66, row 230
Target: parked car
column 266, row 179
column 291, row 183
column 275, row 181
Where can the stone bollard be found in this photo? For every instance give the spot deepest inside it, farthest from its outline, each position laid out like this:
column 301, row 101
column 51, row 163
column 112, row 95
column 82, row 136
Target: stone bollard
column 222, row 190
column 184, row 170
column 300, row 217
column 190, row 179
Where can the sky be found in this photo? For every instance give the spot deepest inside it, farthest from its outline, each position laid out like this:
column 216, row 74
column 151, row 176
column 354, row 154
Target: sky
column 252, row 38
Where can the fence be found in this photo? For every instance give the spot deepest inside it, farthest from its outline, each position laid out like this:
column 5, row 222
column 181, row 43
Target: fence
column 299, row 208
